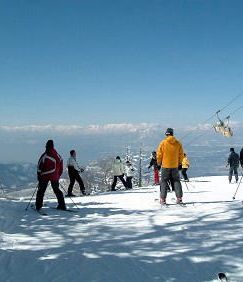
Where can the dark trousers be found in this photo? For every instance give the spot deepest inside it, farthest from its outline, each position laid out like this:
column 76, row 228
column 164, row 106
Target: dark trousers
column 184, row 174
column 233, row 169
column 74, row 176
column 129, row 182
column 41, row 192
column 115, row 181
column 171, row 184
column 170, row 174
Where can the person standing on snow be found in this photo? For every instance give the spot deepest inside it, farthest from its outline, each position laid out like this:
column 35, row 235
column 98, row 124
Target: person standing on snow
column 50, row 168
column 169, row 157
column 153, row 162
column 184, row 167
column 233, row 162
column 118, row 172
column 73, row 173
column 129, row 174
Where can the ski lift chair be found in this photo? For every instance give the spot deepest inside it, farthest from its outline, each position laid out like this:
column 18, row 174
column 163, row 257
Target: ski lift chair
column 223, row 126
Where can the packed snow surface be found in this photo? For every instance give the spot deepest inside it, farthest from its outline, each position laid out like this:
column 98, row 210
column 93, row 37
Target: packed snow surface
column 127, row 236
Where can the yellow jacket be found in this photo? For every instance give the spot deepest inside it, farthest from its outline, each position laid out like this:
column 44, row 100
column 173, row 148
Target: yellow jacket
column 185, row 162
column 170, row 153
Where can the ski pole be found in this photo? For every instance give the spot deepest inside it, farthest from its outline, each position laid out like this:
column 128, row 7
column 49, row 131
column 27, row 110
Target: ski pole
column 69, row 196
column 32, row 197
column 238, row 186
column 186, row 186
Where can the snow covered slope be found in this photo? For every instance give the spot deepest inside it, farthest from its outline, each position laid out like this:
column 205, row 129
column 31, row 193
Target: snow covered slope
column 127, row 236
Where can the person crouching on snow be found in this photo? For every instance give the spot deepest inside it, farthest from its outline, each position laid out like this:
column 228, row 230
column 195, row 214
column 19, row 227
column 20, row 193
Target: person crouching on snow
column 118, row 172
column 129, row 174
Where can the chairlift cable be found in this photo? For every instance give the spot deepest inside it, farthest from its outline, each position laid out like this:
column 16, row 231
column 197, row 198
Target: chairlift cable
column 233, row 112
column 213, row 115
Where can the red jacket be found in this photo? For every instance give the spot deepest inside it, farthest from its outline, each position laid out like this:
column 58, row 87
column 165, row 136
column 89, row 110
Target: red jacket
column 50, row 166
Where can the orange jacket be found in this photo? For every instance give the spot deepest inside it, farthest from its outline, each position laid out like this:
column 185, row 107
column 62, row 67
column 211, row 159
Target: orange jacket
column 170, row 153
column 185, row 163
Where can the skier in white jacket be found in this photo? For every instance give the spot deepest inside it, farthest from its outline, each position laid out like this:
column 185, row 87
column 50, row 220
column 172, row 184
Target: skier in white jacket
column 118, row 172
column 73, row 172
column 129, row 174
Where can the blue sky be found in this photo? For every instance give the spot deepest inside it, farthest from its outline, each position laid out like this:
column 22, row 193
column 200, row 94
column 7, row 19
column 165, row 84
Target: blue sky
column 128, row 61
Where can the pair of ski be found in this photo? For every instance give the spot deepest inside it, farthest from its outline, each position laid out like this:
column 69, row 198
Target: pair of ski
column 173, row 204
column 168, row 205
column 43, row 213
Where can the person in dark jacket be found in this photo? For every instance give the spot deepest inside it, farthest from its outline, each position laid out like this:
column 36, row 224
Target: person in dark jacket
column 241, row 157
column 153, row 163
column 233, row 162
column 50, row 168
column 73, row 172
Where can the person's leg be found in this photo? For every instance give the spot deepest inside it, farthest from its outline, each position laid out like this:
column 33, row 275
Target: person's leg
column 164, row 186
column 80, row 183
column 236, row 174
column 184, row 174
column 177, row 184
column 230, row 174
column 156, row 176
column 123, row 180
column 40, row 194
column 72, row 181
column 114, row 183
column 129, row 182
column 59, row 194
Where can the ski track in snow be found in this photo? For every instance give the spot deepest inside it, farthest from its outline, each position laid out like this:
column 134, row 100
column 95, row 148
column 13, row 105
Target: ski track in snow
column 127, row 236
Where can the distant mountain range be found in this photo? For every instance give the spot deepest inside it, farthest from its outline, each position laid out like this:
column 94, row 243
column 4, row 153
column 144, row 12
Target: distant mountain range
column 206, row 150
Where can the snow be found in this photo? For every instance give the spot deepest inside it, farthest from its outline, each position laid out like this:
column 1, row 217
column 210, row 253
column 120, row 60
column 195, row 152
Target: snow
column 127, row 236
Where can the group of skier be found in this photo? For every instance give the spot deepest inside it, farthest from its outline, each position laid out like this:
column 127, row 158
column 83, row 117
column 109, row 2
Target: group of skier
column 119, row 171
column 50, row 169
column 169, row 159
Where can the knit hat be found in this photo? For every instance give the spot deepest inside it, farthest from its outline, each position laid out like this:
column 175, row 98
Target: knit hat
column 169, row 131
column 49, row 144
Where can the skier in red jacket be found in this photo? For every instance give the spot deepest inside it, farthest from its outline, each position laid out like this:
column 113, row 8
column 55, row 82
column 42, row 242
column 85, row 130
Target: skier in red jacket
column 50, row 168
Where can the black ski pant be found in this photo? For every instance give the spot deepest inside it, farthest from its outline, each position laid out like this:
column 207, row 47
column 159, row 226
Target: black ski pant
column 170, row 174
column 41, row 192
column 233, row 169
column 184, row 174
column 74, row 176
column 115, row 181
column 129, row 182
